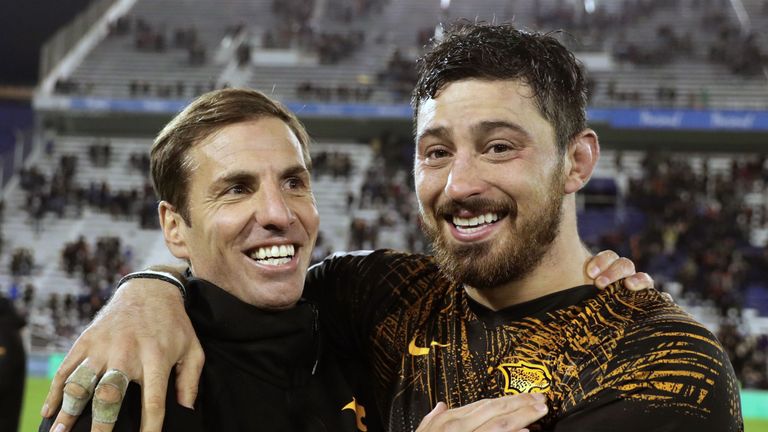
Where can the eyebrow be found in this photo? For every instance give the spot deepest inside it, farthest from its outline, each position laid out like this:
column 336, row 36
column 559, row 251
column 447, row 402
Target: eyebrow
column 439, row 132
column 233, row 177
column 295, row 170
column 487, row 126
column 247, row 177
column 481, row 128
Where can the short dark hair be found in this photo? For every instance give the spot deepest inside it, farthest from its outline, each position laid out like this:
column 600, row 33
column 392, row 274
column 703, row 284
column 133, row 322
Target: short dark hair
column 502, row 52
column 169, row 161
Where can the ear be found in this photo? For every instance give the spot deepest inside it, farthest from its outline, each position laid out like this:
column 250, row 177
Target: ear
column 174, row 229
column 581, row 160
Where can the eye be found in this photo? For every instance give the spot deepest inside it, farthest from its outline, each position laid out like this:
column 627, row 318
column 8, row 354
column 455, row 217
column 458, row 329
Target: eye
column 499, row 148
column 295, row 183
column 436, row 153
column 237, row 189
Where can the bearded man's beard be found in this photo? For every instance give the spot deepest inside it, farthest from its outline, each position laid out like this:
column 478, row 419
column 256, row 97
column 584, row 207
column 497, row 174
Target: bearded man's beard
column 488, row 264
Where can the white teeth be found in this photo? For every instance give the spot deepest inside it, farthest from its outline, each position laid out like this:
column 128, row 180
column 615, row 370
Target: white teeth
column 475, row 221
column 275, row 261
column 274, row 255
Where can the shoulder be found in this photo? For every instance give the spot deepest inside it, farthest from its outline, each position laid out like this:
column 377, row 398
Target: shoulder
column 663, row 357
column 381, row 270
column 366, row 261
column 651, row 320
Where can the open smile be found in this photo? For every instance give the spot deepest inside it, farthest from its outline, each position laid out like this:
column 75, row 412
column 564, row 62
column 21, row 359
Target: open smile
column 475, row 227
column 273, row 255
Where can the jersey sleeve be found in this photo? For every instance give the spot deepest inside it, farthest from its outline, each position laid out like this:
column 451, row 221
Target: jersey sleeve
column 353, row 291
column 672, row 375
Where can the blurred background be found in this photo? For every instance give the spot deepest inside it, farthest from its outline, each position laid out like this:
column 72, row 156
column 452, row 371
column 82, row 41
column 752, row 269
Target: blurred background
column 678, row 91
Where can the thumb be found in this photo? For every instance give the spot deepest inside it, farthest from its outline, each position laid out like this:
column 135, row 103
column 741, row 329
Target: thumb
column 440, row 408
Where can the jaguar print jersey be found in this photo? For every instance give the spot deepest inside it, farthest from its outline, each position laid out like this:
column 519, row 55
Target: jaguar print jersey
column 606, row 359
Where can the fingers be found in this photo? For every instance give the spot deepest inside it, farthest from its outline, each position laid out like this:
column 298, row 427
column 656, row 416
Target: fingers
column 522, row 417
column 607, row 267
column 188, row 376
column 56, row 391
column 441, row 407
column 154, row 387
column 77, row 392
column 639, row 281
column 509, row 413
column 107, row 400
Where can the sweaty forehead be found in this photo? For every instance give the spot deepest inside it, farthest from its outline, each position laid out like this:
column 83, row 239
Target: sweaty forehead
column 463, row 104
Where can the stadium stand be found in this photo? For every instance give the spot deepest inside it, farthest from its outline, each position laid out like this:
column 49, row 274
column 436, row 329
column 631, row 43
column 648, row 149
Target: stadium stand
column 698, row 222
column 664, row 52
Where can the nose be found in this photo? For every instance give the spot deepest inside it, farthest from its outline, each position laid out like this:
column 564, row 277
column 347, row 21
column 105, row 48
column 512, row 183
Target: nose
column 272, row 211
column 465, row 179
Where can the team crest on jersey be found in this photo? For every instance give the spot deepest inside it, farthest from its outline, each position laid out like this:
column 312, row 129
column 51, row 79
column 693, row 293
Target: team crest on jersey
column 525, row 377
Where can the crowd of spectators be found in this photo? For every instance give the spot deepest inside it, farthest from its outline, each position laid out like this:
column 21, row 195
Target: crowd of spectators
column 696, row 234
column 22, row 262
column 100, row 152
column 339, row 93
column 178, row 89
column 740, row 52
column 61, row 195
column 748, row 354
column 334, row 164
column 349, row 11
column 98, row 266
column 153, row 38
column 399, row 75
column 293, row 28
column 56, row 319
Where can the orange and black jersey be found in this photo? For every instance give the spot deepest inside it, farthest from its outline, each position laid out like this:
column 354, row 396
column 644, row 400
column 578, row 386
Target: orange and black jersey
column 607, row 360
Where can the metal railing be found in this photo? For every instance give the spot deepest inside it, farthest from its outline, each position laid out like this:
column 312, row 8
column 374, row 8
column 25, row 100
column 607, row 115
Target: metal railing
column 58, row 45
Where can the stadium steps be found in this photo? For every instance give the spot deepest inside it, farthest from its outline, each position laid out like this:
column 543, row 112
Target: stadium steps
column 115, row 62
column 331, row 194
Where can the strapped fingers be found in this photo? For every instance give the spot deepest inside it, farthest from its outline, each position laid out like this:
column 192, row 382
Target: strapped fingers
column 109, row 396
column 56, row 392
column 78, row 389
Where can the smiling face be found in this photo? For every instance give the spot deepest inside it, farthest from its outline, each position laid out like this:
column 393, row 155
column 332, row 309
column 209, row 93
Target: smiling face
column 253, row 219
column 489, row 179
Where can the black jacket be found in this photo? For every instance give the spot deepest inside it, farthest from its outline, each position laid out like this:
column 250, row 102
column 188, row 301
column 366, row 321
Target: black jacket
column 258, row 372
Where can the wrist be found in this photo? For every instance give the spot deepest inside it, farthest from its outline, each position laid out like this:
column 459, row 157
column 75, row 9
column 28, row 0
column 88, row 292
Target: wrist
column 157, row 275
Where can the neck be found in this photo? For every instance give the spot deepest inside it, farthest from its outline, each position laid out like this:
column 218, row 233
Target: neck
column 562, row 267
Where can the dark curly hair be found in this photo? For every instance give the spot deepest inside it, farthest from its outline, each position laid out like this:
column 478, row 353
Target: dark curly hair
column 502, row 52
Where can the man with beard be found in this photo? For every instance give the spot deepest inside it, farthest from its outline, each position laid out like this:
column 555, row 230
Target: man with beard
column 506, row 306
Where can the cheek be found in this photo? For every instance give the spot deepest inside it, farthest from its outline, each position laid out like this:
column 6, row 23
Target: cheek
column 428, row 186
column 308, row 217
column 227, row 223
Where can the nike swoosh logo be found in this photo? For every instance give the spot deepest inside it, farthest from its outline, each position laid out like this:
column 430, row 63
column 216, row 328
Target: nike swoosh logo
column 422, row 351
